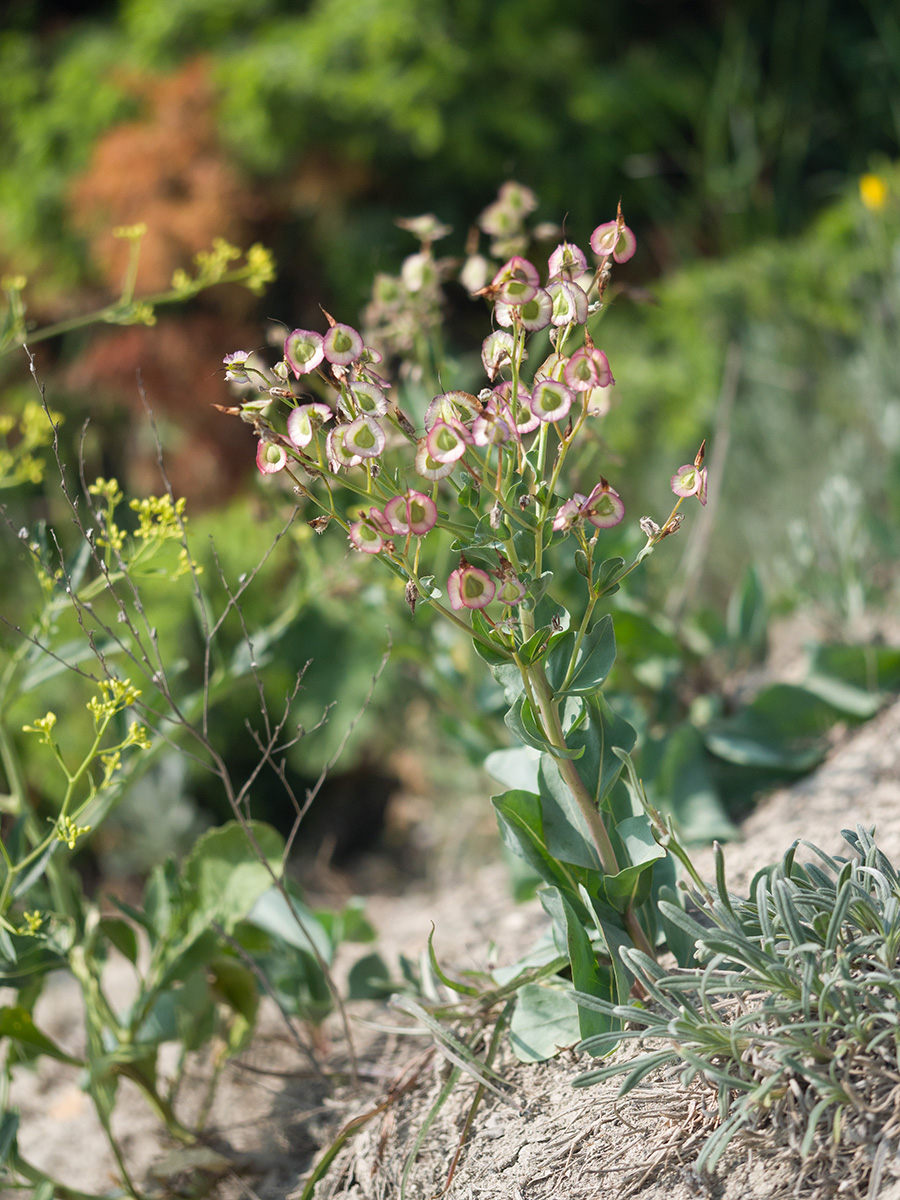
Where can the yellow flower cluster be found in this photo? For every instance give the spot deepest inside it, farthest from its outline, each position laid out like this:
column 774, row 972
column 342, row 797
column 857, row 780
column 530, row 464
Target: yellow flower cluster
column 43, row 727
column 115, row 694
column 68, row 832
column 212, row 267
column 34, row 428
column 158, row 517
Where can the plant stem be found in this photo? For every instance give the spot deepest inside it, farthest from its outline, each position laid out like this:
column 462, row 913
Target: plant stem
column 583, row 798
column 568, row 770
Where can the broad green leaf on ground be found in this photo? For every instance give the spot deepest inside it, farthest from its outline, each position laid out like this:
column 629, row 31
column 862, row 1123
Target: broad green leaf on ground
column 369, row 979
column 544, row 1022
column 782, row 729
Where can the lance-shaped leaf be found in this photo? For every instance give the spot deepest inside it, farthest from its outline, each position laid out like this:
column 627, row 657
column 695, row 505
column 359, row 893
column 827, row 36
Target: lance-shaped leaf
column 565, row 825
column 593, row 663
column 521, row 826
column 632, row 884
column 17, row 1024
column 588, row 974
column 600, row 735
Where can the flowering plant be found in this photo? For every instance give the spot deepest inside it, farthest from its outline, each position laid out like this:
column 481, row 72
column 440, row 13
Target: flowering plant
column 492, row 469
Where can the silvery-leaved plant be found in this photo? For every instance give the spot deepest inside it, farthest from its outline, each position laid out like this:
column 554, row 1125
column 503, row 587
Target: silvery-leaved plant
column 494, row 469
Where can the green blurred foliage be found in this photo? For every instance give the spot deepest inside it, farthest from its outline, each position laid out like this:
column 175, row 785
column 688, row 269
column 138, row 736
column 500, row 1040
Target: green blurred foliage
column 722, row 132
column 805, row 436
column 59, row 95
column 723, row 125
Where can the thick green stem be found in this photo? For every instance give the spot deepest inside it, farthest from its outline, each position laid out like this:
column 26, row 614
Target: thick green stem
column 583, row 798
column 568, row 770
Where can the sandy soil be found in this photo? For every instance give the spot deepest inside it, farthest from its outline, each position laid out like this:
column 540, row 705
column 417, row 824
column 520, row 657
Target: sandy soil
column 272, row 1117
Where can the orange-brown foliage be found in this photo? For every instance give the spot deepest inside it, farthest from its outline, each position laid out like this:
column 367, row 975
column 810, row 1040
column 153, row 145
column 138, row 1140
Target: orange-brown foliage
column 207, row 453
column 167, row 169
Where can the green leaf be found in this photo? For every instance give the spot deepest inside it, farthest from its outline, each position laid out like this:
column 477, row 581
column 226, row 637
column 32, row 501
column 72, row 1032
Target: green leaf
column 613, row 937
column 122, row 936
column 521, row 721
column 64, row 658
column 537, row 589
column 8, row 953
column 225, row 876
column 16, row 1023
column 185, row 956
column 295, row 924
column 652, row 654
column 186, row 1014
column 31, row 957
column 871, row 669
column 678, row 940
column 236, row 985
column 160, row 892
column 752, row 751
column 558, row 658
column 348, row 924
column 682, row 785
column 608, row 570
column 463, row 989
column 600, row 735
column 369, row 979
column 596, row 656
column 493, row 658
column 565, row 826
column 522, row 831
column 9, row 1127
column 529, row 652
column 587, row 973
column 34, row 872
column 782, row 729
column 748, row 615
column 544, row 1022
column 845, row 697
column 515, row 768
column 633, row 882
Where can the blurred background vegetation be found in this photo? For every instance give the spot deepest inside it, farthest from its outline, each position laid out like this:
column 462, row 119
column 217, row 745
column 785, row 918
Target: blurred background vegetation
column 761, row 310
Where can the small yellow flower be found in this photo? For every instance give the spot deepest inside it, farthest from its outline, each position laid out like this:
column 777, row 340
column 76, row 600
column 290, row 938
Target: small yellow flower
column 111, row 763
column 33, row 922
column 873, row 191
column 68, row 832
column 115, row 694
column 43, row 726
column 138, row 736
